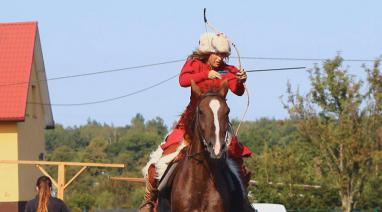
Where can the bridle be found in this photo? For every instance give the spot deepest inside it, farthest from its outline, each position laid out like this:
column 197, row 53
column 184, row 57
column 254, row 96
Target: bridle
column 199, row 130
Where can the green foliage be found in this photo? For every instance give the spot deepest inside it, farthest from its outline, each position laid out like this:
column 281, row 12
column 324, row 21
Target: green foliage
column 102, row 143
column 79, row 201
column 343, row 123
column 282, row 163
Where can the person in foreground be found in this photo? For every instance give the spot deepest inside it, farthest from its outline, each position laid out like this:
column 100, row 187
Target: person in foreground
column 44, row 202
column 206, row 67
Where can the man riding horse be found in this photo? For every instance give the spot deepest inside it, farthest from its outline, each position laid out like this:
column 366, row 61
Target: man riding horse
column 207, row 67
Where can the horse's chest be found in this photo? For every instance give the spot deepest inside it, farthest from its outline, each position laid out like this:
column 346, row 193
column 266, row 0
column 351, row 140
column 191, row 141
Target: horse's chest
column 206, row 195
column 197, row 188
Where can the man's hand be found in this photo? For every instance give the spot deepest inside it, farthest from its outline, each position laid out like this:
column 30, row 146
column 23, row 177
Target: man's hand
column 212, row 74
column 241, row 75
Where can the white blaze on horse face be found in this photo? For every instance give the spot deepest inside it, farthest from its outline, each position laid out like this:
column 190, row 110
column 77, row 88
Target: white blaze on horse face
column 215, row 105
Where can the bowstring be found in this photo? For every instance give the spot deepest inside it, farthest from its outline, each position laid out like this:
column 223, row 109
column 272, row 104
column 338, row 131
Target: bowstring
column 206, row 23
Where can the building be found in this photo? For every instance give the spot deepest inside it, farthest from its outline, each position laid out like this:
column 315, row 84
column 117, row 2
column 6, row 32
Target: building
column 23, row 117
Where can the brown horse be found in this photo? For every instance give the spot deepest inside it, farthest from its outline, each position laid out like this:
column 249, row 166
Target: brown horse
column 203, row 180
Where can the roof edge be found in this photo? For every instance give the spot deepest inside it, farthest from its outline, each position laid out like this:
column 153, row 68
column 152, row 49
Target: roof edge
column 38, row 58
column 19, row 23
column 17, row 119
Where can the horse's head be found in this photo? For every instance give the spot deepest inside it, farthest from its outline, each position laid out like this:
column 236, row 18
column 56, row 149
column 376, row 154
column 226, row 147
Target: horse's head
column 211, row 121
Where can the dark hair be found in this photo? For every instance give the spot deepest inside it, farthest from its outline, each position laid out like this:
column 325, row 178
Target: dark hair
column 203, row 56
column 44, row 185
column 198, row 55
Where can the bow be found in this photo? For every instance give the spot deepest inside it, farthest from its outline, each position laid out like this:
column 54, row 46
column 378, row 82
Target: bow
column 239, row 63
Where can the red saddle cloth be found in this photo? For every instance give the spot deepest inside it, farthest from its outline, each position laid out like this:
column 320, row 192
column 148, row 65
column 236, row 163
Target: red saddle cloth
column 175, row 137
column 236, row 149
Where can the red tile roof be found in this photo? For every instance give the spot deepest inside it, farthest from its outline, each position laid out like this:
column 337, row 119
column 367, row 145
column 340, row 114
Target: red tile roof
column 17, row 42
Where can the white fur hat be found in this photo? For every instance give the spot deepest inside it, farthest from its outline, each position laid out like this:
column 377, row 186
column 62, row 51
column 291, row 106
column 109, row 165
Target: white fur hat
column 214, row 42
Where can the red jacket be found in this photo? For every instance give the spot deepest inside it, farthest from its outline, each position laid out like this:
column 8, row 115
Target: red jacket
column 198, row 71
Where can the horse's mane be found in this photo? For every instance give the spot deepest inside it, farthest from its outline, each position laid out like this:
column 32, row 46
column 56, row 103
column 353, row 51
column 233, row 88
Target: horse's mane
column 189, row 123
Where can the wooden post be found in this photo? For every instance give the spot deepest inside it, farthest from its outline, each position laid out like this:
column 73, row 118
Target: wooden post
column 129, row 179
column 75, row 176
column 61, row 181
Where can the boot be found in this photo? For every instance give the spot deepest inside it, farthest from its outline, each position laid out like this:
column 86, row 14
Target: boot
column 150, row 198
column 151, row 192
column 237, row 151
column 245, row 175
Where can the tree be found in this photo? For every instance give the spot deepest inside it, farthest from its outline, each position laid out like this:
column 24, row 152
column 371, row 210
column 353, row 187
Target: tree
column 81, row 201
column 334, row 119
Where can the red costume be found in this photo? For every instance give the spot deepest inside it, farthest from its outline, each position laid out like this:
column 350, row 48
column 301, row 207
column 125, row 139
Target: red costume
column 198, row 71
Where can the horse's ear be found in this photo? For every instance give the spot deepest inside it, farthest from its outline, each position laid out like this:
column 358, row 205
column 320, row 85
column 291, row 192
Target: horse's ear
column 195, row 88
column 223, row 88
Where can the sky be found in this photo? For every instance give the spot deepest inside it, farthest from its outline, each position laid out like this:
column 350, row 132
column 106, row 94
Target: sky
column 89, row 36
